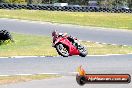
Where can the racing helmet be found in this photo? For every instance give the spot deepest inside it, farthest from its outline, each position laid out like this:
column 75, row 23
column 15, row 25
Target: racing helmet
column 54, row 33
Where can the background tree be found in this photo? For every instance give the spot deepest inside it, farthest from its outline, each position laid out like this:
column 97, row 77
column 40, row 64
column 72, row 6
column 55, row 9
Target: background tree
column 129, row 3
column 14, row 1
column 29, row 1
column 1, row 1
column 106, row 3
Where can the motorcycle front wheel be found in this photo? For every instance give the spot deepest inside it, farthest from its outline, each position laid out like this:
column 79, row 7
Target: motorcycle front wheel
column 83, row 51
column 62, row 50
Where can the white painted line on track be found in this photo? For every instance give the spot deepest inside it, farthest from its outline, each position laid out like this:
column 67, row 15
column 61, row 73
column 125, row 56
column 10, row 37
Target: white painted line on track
column 23, row 74
column 67, row 73
column 27, row 21
column 4, row 75
column 22, row 56
column 61, row 56
column 103, row 43
column 30, row 74
column 4, row 57
column 30, row 56
column 109, row 55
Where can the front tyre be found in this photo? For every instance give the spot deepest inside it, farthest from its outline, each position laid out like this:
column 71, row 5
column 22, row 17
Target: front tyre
column 83, row 51
column 62, row 50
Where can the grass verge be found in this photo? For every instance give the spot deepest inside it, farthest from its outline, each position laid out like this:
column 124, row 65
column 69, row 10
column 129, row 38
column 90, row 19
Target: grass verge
column 104, row 49
column 108, row 20
column 16, row 79
column 30, row 45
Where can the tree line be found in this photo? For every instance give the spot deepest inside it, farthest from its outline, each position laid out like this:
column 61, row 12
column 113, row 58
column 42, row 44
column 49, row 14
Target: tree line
column 75, row 2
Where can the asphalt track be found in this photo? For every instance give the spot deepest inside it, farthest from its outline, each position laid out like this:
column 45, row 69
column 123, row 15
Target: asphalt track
column 92, row 64
column 83, row 33
column 64, row 82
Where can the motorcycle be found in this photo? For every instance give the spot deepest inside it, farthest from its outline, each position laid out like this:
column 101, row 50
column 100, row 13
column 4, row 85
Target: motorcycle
column 66, row 48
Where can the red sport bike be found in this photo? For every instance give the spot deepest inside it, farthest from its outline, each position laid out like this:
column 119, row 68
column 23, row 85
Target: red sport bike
column 66, row 48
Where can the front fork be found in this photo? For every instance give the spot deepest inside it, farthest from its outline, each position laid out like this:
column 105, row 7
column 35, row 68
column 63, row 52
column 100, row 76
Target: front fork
column 76, row 43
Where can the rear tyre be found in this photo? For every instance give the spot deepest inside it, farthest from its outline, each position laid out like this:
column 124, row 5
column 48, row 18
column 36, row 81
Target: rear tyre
column 83, row 51
column 62, row 50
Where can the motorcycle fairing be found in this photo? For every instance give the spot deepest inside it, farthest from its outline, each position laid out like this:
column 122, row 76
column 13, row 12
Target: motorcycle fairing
column 71, row 48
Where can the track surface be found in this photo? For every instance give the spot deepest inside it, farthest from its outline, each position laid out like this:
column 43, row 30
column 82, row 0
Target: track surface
column 96, row 35
column 92, row 64
column 64, row 82
column 102, row 64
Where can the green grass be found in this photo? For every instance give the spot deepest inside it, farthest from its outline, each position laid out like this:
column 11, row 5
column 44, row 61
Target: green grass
column 103, row 49
column 30, row 45
column 19, row 78
column 108, row 20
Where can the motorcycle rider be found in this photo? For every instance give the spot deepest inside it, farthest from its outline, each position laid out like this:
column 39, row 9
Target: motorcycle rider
column 74, row 41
